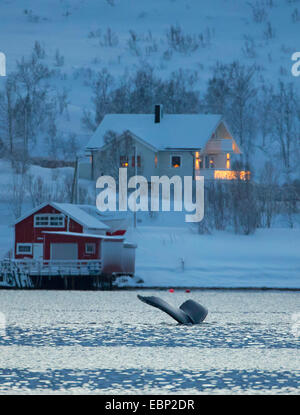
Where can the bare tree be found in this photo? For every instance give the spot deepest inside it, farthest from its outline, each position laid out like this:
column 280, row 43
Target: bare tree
column 8, row 112
column 101, row 89
column 38, row 190
column 268, row 192
column 266, row 114
column 259, row 13
column 234, row 91
column 17, row 193
column 286, row 123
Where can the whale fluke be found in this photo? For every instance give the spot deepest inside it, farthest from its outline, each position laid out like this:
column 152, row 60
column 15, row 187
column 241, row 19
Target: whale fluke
column 194, row 310
column 190, row 312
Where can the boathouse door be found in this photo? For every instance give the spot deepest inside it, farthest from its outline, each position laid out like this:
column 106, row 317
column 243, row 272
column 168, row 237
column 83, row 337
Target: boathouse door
column 63, row 251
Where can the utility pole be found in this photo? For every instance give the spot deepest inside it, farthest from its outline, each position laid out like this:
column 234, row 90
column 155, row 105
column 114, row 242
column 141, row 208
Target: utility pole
column 77, row 180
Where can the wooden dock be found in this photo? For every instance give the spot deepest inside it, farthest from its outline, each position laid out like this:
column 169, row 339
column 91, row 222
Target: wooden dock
column 55, row 274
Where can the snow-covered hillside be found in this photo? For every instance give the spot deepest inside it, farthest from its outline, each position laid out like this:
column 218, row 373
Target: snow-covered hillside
column 78, row 28
column 80, row 37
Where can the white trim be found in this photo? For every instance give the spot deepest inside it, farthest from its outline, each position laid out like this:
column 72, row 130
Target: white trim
column 90, row 244
column 60, row 208
column 19, row 244
column 49, row 216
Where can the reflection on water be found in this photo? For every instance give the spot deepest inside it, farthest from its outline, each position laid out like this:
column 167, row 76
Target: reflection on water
column 103, row 342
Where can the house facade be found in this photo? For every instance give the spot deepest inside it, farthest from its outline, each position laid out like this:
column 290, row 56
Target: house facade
column 172, row 144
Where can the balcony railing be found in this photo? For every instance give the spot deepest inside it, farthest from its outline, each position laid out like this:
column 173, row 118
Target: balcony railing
column 51, row 267
column 224, row 174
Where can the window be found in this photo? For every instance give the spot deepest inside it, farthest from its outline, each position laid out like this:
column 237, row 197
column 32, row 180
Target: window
column 227, row 161
column 90, row 248
column 197, row 160
column 49, row 221
column 211, row 162
column 24, row 248
column 176, row 161
column 155, row 160
column 138, row 161
column 124, row 161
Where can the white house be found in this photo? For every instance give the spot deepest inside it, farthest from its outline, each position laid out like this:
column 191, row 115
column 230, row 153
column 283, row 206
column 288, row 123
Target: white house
column 165, row 144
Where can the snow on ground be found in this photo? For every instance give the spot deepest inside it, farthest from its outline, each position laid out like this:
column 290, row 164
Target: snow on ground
column 78, row 29
column 176, row 257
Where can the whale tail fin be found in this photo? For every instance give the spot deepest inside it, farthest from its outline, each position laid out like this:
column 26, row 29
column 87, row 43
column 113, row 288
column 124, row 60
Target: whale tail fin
column 190, row 312
column 194, row 310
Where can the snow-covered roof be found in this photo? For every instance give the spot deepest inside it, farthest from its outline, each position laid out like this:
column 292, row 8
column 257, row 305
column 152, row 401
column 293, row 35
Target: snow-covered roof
column 186, row 131
column 73, row 211
column 80, row 215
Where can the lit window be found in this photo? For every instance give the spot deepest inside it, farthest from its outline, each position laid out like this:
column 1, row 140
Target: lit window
column 176, row 161
column 49, row 221
column 24, row 249
column 155, row 160
column 197, row 160
column 90, row 248
column 211, row 162
column 227, row 161
column 124, row 161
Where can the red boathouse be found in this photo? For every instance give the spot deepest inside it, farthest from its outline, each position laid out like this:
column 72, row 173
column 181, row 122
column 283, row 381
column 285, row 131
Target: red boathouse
column 66, row 232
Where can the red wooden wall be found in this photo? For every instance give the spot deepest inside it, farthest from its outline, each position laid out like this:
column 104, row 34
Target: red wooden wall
column 25, row 232
column 80, row 240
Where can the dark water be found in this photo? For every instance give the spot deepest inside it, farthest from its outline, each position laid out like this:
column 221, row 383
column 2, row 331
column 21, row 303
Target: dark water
column 105, row 342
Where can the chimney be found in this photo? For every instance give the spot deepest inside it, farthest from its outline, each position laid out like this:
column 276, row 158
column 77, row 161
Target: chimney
column 158, row 113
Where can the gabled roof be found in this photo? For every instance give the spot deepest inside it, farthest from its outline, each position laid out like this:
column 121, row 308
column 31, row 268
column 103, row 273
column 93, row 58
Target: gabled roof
column 80, row 215
column 73, row 211
column 181, row 131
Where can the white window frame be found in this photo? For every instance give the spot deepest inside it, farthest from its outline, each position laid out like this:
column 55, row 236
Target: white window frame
column 171, row 162
column 94, row 247
column 49, row 216
column 22, row 252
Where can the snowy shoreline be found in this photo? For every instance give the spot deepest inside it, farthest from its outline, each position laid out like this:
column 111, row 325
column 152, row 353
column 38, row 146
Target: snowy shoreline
column 149, row 288
column 176, row 257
